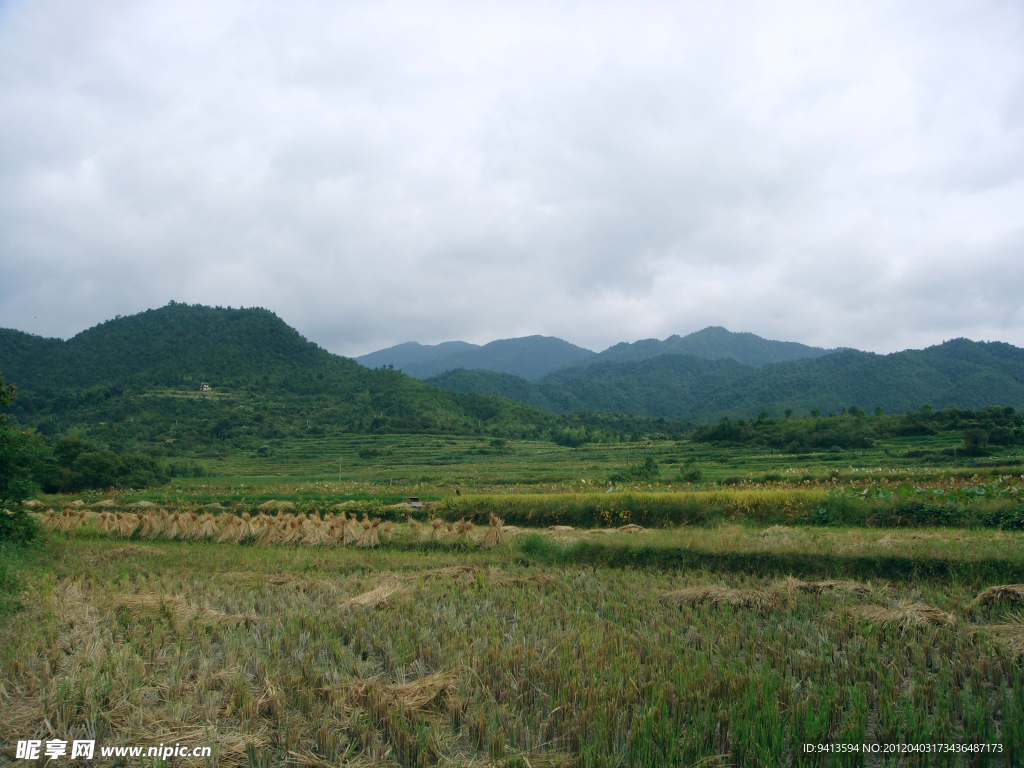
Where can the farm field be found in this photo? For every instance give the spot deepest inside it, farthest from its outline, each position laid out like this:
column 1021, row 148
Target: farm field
column 754, row 602
column 478, row 463
column 426, row 652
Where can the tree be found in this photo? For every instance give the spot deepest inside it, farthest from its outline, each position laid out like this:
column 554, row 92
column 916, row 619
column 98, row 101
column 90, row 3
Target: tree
column 22, row 456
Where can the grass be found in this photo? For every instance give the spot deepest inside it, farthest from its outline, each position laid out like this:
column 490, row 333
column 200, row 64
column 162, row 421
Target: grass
column 522, row 654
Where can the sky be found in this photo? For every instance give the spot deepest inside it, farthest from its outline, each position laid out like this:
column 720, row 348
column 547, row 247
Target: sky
column 834, row 173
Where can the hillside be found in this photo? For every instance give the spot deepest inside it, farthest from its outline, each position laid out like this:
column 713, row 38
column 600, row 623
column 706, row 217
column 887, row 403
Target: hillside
column 713, row 343
column 134, row 382
column 530, row 357
column 961, row 372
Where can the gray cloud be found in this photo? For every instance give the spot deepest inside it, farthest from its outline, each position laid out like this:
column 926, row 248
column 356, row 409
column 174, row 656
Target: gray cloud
column 837, row 174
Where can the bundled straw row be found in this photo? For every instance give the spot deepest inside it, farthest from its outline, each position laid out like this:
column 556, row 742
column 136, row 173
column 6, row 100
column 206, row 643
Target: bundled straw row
column 333, row 530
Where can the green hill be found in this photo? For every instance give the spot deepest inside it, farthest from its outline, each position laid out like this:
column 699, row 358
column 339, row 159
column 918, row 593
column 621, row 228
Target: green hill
column 134, row 383
column 529, row 357
column 713, row 343
column 959, row 373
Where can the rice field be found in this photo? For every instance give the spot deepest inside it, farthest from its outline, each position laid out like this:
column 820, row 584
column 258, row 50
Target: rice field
column 435, row 646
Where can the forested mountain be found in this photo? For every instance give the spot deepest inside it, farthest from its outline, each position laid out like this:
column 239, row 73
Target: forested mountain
column 713, row 343
column 401, row 356
column 136, row 381
column 530, row 357
column 534, row 357
column 961, row 372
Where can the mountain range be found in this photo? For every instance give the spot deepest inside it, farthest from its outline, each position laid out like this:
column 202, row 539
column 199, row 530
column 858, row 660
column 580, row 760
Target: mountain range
column 534, row 357
column 138, row 383
column 960, row 372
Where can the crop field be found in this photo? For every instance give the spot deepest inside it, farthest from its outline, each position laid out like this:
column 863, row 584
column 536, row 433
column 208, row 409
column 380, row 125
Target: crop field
column 443, row 462
column 428, row 649
column 726, row 610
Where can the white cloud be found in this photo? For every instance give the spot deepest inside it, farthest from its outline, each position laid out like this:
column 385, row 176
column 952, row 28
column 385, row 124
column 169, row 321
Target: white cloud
column 833, row 173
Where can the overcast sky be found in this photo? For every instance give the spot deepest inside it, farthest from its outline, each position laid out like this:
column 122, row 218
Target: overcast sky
column 832, row 173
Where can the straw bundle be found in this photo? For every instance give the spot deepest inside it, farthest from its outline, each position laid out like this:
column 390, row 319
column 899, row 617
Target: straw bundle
column 438, row 525
column 420, row 693
column 317, row 534
column 273, row 530
column 292, row 532
column 207, row 527
column 829, row 585
column 904, row 614
column 375, row 598
column 370, row 537
column 230, row 529
column 1009, row 593
column 157, row 522
column 717, row 595
column 106, row 522
column 174, row 529
column 414, row 527
column 1010, row 634
column 631, row 528
column 351, row 533
column 494, row 535
column 246, row 528
column 126, row 524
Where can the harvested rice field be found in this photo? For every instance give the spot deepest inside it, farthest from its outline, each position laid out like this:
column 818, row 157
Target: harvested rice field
column 443, row 648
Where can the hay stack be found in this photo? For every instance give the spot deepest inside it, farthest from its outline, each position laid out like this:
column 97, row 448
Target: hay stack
column 246, row 528
column 370, row 537
column 351, row 533
column 174, row 528
column 438, row 525
column 718, row 595
column 904, row 614
column 1001, row 593
column 494, row 535
column 106, row 522
column 105, row 504
column 230, row 529
column 818, row 587
column 189, row 524
column 375, row 598
column 317, row 534
column 50, row 518
column 126, row 524
column 272, row 531
column 1011, row 634
column 207, row 527
column 631, row 528
column 292, row 532
column 414, row 527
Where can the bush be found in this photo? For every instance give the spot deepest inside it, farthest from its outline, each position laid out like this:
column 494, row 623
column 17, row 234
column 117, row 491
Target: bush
column 16, row 527
column 646, row 472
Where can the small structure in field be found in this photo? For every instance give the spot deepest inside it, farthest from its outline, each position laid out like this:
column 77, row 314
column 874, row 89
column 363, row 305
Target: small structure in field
column 204, row 387
column 414, row 502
